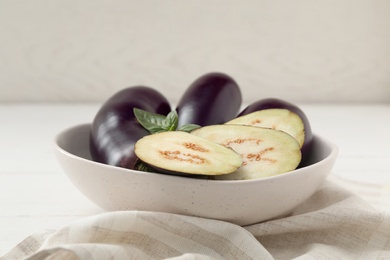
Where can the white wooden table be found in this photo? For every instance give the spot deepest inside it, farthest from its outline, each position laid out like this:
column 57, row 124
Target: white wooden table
column 35, row 194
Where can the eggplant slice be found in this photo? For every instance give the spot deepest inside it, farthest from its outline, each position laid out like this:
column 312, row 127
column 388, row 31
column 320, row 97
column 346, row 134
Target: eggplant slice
column 181, row 153
column 265, row 152
column 275, row 118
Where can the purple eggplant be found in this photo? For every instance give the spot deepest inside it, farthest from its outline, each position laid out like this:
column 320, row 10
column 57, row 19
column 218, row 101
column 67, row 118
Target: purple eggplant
column 213, row 98
column 115, row 129
column 271, row 103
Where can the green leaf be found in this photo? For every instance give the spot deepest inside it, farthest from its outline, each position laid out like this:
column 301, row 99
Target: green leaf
column 188, row 128
column 150, row 121
column 141, row 166
column 171, row 121
column 156, row 123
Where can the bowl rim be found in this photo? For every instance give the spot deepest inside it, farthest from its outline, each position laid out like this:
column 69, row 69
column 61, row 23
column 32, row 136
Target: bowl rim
column 334, row 150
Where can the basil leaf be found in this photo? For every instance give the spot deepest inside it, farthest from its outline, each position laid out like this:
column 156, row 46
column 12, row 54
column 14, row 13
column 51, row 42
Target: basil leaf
column 141, row 166
column 156, row 129
column 171, row 121
column 156, row 123
column 150, row 121
column 188, row 128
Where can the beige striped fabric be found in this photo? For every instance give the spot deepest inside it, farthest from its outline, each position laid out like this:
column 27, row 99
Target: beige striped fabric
column 332, row 224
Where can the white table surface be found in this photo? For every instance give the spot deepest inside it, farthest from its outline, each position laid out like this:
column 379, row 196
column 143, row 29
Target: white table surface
column 36, row 195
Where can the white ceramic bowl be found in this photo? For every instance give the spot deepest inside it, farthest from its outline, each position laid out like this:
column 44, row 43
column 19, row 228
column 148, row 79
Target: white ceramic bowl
column 241, row 202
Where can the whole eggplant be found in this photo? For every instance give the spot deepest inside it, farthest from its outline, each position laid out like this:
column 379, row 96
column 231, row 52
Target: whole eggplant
column 279, row 103
column 115, row 129
column 213, row 98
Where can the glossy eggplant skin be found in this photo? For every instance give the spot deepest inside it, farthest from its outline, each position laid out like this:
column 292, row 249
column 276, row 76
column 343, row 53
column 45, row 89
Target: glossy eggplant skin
column 115, row 129
column 213, row 98
column 279, row 103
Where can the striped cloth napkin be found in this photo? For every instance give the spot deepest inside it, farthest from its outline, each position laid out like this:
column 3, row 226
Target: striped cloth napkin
column 332, row 224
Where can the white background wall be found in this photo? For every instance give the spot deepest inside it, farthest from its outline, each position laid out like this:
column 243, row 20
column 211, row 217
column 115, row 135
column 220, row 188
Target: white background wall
column 303, row 51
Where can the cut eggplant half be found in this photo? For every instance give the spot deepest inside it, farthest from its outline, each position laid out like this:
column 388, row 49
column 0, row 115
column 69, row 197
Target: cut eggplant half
column 181, row 153
column 275, row 118
column 264, row 151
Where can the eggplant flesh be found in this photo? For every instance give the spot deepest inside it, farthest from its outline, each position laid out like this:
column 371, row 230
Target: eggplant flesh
column 115, row 129
column 270, row 103
column 181, row 153
column 275, row 118
column 213, row 98
column 264, row 152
